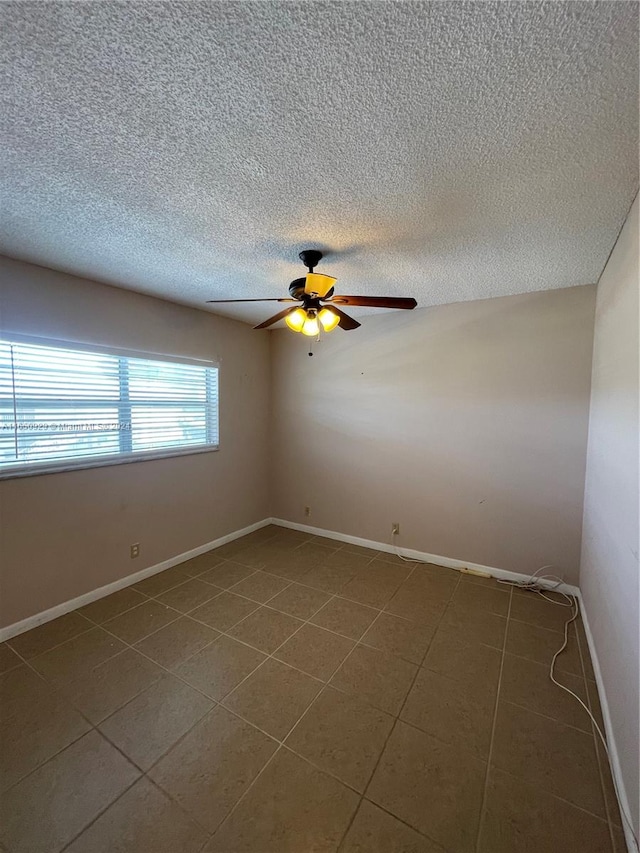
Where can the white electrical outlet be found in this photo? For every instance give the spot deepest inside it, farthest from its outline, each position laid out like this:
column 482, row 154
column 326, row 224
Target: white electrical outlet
column 395, row 528
column 134, row 550
column 307, row 511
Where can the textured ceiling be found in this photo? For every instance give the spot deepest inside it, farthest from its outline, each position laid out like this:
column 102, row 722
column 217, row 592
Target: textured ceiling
column 444, row 150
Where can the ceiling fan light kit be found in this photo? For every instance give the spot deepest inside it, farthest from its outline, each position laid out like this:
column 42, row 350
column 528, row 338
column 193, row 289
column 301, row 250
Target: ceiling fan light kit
column 311, row 291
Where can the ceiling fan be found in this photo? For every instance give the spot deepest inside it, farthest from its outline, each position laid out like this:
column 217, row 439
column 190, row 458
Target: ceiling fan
column 317, row 304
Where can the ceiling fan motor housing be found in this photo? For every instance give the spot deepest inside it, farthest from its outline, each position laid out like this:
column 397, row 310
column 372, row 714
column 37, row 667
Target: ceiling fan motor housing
column 296, row 289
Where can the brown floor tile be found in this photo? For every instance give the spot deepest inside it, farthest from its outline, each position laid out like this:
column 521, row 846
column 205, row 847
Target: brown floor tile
column 176, row 642
column 421, row 606
column 161, row 582
column 329, row 578
column 260, row 586
column 150, row 724
column 380, row 679
column 188, row 595
column 345, row 617
column 142, row 820
column 310, row 812
column 315, row 651
column 400, row 637
column 101, row 691
column 136, row 624
column 313, row 553
column 532, row 608
column 38, row 731
column 265, row 629
column 458, row 712
column 54, row 803
column 44, row 637
column 8, row 658
column 349, row 560
column 20, row 688
column 342, row 735
column 521, row 818
column 482, row 598
column 220, row 667
column 262, row 554
column 435, row 581
column 528, row 684
column 224, row 611
column 295, row 564
column 78, row 656
column 549, row 755
column 435, row 787
column 375, row 831
column 226, row 575
column 200, row 564
column 208, row 770
column 230, row 549
column 358, row 549
column 463, row 661
column 289, row 535
column 112, row 605
column 375, row 584
column 301, row 601
column 540, row 645
column 274, row 697
column 474, row 626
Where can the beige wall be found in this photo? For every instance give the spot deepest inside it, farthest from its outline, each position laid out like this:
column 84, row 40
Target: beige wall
column 465, row 423
column 609, row 568
column 67, row 533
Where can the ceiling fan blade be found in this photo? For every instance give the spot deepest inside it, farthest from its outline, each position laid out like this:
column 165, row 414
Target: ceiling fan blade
column 346, row 322
column 280, row 316
column 374, row 301
column 283, row 299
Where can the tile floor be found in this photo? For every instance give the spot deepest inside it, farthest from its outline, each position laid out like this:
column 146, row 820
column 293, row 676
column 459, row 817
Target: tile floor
column 289, row 694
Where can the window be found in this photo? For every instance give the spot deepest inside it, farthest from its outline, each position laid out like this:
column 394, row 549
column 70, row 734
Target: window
column 64, row 408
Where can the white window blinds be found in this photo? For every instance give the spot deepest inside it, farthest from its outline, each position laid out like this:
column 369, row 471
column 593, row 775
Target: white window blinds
column 62, row 405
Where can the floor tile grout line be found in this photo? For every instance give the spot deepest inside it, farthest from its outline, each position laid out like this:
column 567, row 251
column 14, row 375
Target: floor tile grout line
column 493, row 732
column 397, row 718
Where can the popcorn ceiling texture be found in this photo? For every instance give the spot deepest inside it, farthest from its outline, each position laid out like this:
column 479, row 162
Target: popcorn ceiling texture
column 447, row 151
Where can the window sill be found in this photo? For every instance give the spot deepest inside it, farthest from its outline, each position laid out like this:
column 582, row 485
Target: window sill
column 64, row 465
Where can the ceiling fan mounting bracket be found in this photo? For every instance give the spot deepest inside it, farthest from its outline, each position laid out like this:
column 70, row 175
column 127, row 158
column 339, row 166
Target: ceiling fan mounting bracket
column 310, row 258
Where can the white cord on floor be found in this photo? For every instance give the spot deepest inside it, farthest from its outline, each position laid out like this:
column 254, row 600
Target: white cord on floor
column 533, row 584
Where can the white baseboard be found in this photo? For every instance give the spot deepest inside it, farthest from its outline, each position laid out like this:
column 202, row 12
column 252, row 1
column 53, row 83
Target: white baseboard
column 447, row 562
column 67, row 606
column 616, row 769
